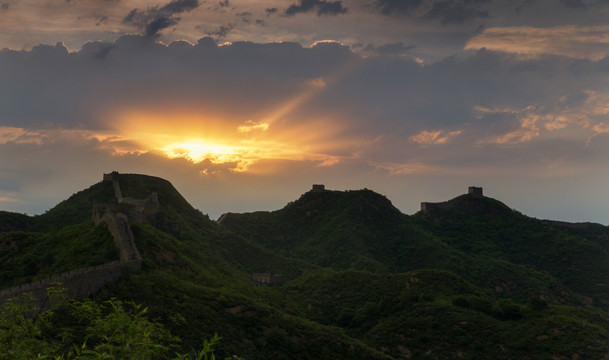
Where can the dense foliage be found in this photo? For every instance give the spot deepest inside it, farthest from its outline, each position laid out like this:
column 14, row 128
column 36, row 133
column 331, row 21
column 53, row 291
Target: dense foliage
column 72, row 330
column 27, row 256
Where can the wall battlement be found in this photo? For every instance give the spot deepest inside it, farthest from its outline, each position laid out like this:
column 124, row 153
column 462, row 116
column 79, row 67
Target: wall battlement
column 472, row 191
column 82, row 282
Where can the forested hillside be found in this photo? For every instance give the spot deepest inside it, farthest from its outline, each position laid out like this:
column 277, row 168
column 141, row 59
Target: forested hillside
column 361, row 280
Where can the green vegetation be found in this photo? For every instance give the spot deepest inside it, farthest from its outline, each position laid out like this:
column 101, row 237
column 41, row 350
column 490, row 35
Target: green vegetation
column 429, row 314
column 571, row 259
column 73, row 330
column 27, row 256
column 481, row 240
column 75, row 210
column 362, row 280
column 14, row 222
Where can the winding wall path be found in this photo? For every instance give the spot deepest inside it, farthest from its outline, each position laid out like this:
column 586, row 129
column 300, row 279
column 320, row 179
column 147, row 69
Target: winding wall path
column 83, row 282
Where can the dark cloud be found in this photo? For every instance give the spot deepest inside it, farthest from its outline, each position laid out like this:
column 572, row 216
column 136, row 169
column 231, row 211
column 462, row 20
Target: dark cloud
column 524, row 4
column 223, row 3
column 221, row 32
column 179, row 6
column 155, row 19
column 323, row 7
column 451, row 11
column 446, row 11
column 270, row 11
column 159, row 23
column 576, row 4
column 97, row 49
column 5, row 6
column 100, row 20
column 207, row 43
column 397, row 7
column 397, row 48
column 245, row 17
column 73, row 88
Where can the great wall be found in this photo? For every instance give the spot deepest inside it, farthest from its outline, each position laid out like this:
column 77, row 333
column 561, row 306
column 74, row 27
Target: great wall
column 472, row 191
column 83, row 282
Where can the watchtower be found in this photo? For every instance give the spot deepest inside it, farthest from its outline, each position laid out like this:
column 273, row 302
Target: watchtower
column 475, row 191
column 318, row 188
column 425, row 206
column 111, row 176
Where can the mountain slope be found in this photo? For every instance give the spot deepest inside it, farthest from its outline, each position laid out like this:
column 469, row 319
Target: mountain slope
column 362, row 281
column 487, row 228
column 478, row 238
column 429, row 314
column 359, row 229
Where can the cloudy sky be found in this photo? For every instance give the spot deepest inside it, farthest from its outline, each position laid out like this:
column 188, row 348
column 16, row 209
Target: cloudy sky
column 243, row 104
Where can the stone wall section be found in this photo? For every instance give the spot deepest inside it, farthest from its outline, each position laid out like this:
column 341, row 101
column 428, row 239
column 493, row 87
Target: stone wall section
column 117, row 189
column 123, row 238
column 78, row 283
column 83, row 282
column 472, row 192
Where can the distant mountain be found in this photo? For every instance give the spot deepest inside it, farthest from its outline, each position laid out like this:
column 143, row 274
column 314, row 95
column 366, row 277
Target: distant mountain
column 477, row 237
column 353, row 229
column 575, row 256
column 467, row 278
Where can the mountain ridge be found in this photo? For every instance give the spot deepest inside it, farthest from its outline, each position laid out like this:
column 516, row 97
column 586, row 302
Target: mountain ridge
column 362, row 279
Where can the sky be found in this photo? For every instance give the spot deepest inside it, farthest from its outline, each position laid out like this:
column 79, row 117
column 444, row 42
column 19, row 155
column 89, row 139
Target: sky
column 243, row 105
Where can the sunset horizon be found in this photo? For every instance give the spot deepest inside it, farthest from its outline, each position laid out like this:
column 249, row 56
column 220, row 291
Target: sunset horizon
column 304, row 179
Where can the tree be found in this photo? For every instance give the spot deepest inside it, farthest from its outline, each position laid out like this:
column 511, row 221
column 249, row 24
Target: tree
column 75, row 330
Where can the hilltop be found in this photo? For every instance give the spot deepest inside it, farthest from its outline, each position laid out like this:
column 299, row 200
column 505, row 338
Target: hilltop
column 467, row 278
column 474, row 236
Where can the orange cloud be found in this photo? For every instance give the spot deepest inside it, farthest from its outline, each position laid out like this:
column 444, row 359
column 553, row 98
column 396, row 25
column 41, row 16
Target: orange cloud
column 434, row 137
column 394, row 168
column 19, row 136
column 597, row 103
column 9, row 198
column 601, row 128
column 582, row 42
column 528, row 131
column 533, row 119
column 559, row 122
column 252, row 125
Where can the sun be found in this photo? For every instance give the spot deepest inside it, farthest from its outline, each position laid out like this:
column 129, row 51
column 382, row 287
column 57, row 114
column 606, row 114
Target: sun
column 199, row 150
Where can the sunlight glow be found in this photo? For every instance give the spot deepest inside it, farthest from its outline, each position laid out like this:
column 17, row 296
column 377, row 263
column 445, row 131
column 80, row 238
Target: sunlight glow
column 222, row 137
column 251, row 126
column 199, row 151
column 225, row 143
